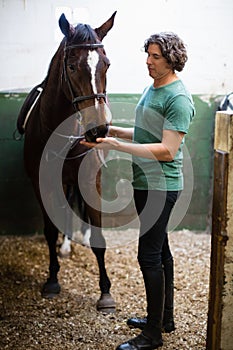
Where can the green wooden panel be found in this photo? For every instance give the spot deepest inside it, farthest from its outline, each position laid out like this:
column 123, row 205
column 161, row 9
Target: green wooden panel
column 19, row 210
column 20, row 213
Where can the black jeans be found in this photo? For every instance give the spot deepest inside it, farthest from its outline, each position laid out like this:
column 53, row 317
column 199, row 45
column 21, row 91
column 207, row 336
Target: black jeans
column 154, row 209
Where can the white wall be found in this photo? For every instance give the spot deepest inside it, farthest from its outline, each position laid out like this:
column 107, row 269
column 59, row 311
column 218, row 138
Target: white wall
column 29, row 28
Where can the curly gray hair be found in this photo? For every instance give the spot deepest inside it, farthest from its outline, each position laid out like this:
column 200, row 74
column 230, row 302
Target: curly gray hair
column 172, row 48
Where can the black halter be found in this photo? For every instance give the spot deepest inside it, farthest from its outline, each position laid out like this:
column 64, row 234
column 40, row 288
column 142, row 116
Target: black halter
column 77, row 99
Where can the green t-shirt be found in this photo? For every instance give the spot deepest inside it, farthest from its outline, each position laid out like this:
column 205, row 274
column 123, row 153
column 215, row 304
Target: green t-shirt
column 169, row 107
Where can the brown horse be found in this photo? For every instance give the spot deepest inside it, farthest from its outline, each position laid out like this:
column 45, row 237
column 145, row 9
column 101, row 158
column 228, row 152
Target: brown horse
column 74, row 86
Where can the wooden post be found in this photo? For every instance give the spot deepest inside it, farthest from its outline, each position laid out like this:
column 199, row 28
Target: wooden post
column 220, row 314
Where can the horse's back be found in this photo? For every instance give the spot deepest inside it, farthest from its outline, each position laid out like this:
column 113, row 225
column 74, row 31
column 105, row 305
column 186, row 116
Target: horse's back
column 25, row 110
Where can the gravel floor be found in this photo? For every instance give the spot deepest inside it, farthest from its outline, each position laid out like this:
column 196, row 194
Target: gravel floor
column 70, row 321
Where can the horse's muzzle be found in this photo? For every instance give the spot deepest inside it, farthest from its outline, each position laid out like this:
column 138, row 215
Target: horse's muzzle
column 95, row 131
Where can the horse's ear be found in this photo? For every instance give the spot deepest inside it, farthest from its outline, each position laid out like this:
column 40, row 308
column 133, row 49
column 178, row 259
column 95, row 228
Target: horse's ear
column 103, row 30
column 66, row 28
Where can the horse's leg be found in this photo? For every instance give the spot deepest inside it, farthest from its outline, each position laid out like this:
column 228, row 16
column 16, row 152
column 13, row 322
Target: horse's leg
column 106, row 302
column 85, row 221
column 86, row 232
column 51, row 288
column 65, row 248
column 72, row 191
column 90, row 188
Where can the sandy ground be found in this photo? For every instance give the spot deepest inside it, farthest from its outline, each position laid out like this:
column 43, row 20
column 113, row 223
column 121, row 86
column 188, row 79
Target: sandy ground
column 70, row 321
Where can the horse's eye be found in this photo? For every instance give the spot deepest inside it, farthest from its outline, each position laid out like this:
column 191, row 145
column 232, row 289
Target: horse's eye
column 71, row 67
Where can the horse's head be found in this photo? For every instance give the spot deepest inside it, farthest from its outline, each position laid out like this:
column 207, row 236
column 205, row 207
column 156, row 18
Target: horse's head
column 84, row 74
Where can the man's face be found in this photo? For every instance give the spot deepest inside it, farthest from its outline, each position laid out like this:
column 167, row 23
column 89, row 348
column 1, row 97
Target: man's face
column 156, row 63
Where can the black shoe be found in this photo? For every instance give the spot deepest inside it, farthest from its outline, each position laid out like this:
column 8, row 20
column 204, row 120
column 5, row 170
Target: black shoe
column 140, row 323
column 141, row 342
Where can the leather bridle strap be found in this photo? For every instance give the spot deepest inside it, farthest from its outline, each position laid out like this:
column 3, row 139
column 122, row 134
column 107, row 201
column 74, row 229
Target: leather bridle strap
column 78, row 99
column 84, row 46
column 89, row 97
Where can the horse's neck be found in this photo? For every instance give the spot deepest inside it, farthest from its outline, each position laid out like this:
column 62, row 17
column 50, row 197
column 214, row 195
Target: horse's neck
column 55, row 107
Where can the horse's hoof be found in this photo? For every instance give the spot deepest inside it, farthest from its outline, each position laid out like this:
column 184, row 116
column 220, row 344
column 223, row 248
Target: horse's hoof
column 106, row 304
column 50, row 290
